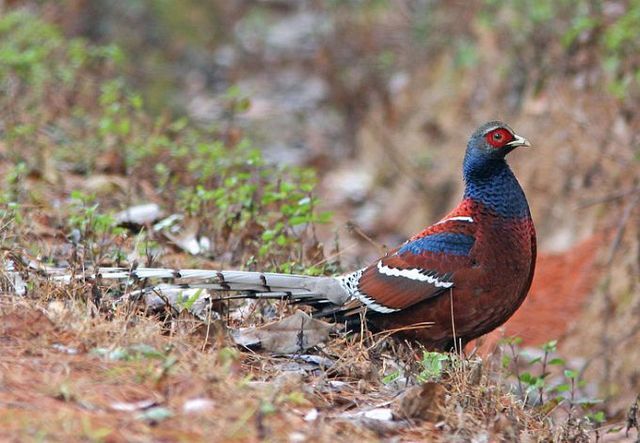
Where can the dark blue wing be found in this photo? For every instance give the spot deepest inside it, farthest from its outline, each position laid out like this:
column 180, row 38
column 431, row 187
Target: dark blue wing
column 442, row 242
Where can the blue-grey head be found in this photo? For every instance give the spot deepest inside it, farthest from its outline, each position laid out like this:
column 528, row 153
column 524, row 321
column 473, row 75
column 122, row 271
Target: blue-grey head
column 487, row 149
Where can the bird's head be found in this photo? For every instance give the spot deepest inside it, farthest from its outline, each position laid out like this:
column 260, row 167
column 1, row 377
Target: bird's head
column 488, row 146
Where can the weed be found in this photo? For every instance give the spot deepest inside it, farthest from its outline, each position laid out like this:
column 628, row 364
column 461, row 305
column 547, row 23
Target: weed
column 432, row 366
column 251, row 212
column 533, row 383
column 95, row 231
column 575, row 24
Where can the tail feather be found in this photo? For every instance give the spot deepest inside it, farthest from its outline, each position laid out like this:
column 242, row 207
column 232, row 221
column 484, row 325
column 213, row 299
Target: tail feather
column 239, row 292
column 219, row 280
column 326, row 295
column 295, row 287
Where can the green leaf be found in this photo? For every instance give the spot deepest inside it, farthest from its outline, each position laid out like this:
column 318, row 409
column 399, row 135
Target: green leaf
column 598, row 417
column 588, row 402
column 512, row 340
column 528, row 378
column 295, row 397
column 155, row 414
column 118, row 354
column 324, row 217
column 565, row 387
column 169, row 362
column 298, row 220
column 391, row 377
column 535, row 360
column 550, row 346
column 146, row 351
column 281, row 240
column 432, row 362
column 266, row 407
column 187, row 303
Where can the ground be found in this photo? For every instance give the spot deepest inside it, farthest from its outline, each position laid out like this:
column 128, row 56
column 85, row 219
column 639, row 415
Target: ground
column 243, row 123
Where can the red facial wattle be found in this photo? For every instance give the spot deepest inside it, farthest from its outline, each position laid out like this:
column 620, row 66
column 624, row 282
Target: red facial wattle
column 499, row 137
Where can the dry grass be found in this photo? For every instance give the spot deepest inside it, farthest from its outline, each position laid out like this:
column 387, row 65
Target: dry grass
column 67, row 371
column 70, row 364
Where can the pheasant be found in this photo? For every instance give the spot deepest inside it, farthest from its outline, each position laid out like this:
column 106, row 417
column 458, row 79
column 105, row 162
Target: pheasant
column 452, row 282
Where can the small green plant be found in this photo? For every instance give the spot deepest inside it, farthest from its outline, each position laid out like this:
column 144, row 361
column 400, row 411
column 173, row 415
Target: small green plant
column 431, row 368
column 94, row 230
column 296, row 398
column 432, row 365
column 43, row 78
column 574, row 24
column 528, row 383
column 187, row 302
column 534, row 386
column 391, row 377
column 11, row 195
column 14, row 187
column 234, row 192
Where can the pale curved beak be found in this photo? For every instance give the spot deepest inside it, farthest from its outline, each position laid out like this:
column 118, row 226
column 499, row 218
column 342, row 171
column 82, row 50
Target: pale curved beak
column 519, row 141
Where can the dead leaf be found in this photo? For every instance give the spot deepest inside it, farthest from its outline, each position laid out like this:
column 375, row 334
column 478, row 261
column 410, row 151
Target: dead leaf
column 311, row 415
column 314, row 251
column 133, row 406
column 139, row 215
column 104, row 184
column 291, row 334
column 379, row 419
column 198, row 405
column 425, row 402
column 196, row 301
column 384, row 414
column 187, row 237
column 112, row 162
column 192, row 244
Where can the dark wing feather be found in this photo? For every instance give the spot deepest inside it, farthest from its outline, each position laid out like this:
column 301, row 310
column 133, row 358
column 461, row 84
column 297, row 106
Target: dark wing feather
column 421, row 269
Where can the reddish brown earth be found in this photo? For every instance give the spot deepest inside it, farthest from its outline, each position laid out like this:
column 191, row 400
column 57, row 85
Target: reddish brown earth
column 561, row 284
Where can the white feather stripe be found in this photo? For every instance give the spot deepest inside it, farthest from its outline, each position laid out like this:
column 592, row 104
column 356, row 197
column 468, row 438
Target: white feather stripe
column 371, row 304
column 462, row 218
column 350, row 283
column 412, row 274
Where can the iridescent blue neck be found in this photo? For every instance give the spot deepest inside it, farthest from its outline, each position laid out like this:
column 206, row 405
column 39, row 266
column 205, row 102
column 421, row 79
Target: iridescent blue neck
column 490, row 181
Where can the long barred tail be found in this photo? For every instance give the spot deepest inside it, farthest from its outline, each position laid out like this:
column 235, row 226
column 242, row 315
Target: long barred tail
column 326, row 294
column 330, row 297
column 244, row 284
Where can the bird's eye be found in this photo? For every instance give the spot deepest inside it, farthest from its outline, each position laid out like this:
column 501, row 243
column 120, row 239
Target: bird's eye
column 499, row 137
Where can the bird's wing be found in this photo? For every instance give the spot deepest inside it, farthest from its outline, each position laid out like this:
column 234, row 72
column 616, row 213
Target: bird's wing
column 424, row 267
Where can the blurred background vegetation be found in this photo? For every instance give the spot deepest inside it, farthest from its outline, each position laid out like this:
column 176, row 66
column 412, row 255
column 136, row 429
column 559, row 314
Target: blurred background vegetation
column 261, row 121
